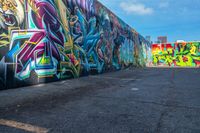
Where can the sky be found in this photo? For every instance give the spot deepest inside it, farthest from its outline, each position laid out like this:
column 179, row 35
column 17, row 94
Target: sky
column 176, row 19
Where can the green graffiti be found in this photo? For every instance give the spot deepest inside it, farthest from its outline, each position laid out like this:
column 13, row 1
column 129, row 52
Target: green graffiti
column 177, row 54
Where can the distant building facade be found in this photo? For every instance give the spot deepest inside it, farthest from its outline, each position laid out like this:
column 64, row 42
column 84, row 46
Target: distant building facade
column 162, row 39
column 148, row 38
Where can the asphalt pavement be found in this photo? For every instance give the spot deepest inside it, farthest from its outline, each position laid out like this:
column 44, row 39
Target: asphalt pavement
column 136, row 100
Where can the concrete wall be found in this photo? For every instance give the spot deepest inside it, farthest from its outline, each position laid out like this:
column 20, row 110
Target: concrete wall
column 51, row 40
column 186, row 54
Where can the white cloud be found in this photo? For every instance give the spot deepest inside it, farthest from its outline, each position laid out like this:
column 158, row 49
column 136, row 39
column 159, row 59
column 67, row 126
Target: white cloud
column 136, row 8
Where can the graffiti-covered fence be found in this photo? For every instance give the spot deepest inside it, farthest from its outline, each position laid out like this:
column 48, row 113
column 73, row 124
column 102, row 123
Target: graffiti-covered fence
column 185, row 54
column 50, row 40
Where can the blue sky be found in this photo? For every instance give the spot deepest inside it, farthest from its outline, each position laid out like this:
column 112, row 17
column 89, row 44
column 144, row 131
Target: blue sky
column 177, row 19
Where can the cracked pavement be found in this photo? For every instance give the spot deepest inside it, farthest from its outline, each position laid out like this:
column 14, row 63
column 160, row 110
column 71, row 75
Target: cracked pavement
column 149, row 100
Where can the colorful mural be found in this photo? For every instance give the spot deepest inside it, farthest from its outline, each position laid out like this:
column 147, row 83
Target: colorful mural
column 50, row 40
column 185, row 54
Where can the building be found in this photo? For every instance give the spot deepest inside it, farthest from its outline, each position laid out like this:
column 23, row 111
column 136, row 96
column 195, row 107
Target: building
column 176, row 54
column 180, row 41
column 148, row 38
column 162, row 39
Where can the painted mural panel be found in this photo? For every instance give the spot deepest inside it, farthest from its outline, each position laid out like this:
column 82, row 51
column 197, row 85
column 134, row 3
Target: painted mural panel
column 186, row 54
column 50, row 40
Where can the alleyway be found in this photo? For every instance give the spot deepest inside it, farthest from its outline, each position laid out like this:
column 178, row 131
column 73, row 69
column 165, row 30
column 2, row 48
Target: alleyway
column 130, row 101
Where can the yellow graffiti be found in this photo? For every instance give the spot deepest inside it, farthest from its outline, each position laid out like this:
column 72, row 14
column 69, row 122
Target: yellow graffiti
column 183, row 55
column 8, row 5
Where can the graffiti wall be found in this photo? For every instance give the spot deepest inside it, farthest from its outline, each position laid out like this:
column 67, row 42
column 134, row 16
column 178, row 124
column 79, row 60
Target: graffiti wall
column 50, row 40
column 185, row 54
